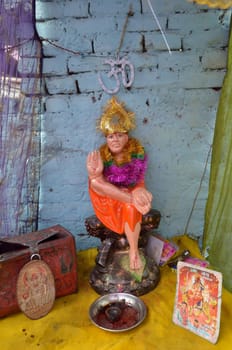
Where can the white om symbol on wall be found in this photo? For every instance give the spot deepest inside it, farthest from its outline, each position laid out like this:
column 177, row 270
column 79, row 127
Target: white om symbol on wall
column 118, row 66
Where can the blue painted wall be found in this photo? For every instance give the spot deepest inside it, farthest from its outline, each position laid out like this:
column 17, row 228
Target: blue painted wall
column 175, row 98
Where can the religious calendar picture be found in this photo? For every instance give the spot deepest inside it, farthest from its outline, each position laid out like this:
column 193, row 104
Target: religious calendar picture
column 198, row 300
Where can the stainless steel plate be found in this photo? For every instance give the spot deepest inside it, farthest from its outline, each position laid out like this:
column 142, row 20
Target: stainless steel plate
column 109, row 299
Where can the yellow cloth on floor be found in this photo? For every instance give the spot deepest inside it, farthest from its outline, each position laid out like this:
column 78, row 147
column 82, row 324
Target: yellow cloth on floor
column 67, row 326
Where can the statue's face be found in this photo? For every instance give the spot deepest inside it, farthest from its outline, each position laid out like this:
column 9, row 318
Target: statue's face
column 116, row 142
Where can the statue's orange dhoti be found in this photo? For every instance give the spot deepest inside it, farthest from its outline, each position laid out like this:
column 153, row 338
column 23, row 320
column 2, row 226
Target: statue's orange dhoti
column 113, row 213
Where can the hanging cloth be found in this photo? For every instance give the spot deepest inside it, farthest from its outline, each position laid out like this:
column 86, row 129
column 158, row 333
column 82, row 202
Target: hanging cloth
column 20, row 58
column 217, row 237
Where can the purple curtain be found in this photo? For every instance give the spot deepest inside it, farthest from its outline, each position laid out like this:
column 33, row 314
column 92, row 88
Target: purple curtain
column 20, row 57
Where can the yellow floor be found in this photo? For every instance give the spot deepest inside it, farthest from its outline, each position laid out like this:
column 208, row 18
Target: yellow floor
column 68, row 326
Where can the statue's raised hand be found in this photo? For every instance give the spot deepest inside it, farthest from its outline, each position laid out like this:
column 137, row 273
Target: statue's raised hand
column 94, row 164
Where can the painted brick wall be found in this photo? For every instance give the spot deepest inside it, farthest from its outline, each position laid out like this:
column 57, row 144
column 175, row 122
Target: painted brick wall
column 174, row 96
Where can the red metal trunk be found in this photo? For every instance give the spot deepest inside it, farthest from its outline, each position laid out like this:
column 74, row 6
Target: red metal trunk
column 54, row 245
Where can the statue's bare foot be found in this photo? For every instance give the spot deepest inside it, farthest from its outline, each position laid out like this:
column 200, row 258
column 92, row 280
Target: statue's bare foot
column 135, row 261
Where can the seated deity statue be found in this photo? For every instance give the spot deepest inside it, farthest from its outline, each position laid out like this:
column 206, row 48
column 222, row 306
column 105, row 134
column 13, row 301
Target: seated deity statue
column 116, row 175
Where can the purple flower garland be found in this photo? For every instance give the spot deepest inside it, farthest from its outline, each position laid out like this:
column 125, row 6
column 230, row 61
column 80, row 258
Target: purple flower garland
column 128, row 174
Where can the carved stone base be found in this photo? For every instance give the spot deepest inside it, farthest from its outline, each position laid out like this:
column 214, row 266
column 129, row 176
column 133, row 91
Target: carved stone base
column 116, row 275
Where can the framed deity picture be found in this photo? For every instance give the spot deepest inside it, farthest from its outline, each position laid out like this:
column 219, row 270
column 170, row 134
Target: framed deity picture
column 198, row 300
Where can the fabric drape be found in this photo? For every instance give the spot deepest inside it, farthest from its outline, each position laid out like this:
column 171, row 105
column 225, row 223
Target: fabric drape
column 217, row 237
column 20, row 56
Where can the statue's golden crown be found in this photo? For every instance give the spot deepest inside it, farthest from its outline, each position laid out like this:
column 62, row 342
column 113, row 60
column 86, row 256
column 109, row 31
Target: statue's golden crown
column 116, row 118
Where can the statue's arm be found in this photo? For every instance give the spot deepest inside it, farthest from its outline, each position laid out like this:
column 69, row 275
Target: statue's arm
column 99, row 184
column 140, row 197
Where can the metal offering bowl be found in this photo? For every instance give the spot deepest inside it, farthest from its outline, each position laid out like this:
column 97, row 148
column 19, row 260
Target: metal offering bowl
column 110, row 307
